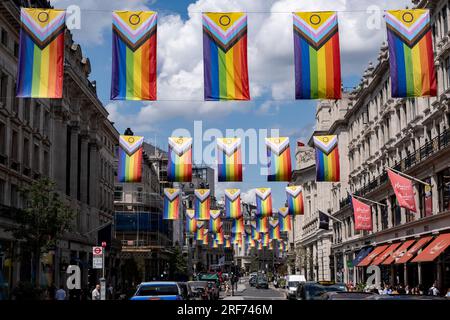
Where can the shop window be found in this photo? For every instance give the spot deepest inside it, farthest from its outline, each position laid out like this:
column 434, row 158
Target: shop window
column 426, row 199
column 384, row 216
column 395, row 211
column 444, row 190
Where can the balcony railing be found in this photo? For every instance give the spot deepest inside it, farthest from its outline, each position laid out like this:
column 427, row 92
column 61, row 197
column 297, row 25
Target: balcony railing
column 428, row 150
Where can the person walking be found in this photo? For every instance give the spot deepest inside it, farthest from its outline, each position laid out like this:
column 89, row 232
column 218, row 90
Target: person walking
column 227, row 287
column 434, row 291
column 60, row 294
column 96, row 293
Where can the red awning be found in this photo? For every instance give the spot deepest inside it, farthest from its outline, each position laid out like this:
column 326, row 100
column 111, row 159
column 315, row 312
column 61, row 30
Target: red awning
column 367, row 260
column 398, row 253
column 413, row 250
column 386, row 253
column 434, row 249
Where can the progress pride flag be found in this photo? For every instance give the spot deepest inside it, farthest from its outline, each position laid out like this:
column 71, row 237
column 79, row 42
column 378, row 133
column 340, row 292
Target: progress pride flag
column 363, row 215
column 404, row 191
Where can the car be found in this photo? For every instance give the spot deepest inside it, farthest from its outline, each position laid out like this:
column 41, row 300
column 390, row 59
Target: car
column 404, row 297
column 262, row 283
column 199, row 289
column 163, row 290
column 345, row 295
column 186, row 292
column 292, row 282
column 252, row 281
column 312, row 290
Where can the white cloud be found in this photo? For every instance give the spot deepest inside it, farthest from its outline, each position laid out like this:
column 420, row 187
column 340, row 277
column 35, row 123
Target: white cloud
column 270, row 52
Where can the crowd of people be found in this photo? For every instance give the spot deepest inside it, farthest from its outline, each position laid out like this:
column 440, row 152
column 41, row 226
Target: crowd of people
column 387, row 288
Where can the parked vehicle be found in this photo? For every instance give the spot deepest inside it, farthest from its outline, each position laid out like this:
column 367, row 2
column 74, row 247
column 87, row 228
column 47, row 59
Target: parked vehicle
column 165, row 290
column 262, row 282
column 343, row 295
column 405, row 297
column 252, row 281
column 186, row 292
column 311, row 290
column 199, row 290
column 292, row 282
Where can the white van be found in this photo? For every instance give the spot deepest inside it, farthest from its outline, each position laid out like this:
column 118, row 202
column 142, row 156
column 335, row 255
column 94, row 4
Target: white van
column 292, row 282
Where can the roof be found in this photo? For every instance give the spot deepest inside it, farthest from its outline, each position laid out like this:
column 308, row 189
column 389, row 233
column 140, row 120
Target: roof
column 158, row 283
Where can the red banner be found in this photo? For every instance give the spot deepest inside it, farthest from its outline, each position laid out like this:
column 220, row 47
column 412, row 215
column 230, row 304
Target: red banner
column 404, row 191
column 363, row 215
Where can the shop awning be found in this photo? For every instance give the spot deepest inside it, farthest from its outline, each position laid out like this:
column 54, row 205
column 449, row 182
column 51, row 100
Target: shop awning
column 413, row 250
column 398, row 253
column 386, row 253
column 368, row 259
column 361, row 255
column 434, row 249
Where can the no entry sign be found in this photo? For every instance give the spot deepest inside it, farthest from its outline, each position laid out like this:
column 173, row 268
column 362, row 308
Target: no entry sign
column 97, row 251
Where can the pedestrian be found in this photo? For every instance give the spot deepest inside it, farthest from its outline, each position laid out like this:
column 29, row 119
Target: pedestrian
column 96, row 293
column 60, row 293
column 227, row 287
column 448, row 293
column 408, row 290
column 434, row 291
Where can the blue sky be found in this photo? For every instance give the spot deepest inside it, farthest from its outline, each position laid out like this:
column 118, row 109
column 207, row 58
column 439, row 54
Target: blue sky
column 270, row 53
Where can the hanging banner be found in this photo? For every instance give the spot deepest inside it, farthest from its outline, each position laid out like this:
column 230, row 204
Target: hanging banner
column 171, row 203
column 179, row 168
column 225, row 56
column 262, row 224
column 202, row 204
column 274, row 231
column 263, row 202
column 233, row 203
column 404, row 191
column 317, row 55
column 227, row 243
column 129, row 167
column 281, row 246
column 260, row 245
column 265, row 239
column 215, row 221
column 191, row 222
column 40, row 69
column 200, row 231
column 254, row 230
column 284, row 219
column 219, row 237
column 229, row 159
column 238, row 225
column 411, row 56
column 134, row 55
column 279, row 159
column 295, row 200
column 205, row 237
column 327, row 159
column 363, row 215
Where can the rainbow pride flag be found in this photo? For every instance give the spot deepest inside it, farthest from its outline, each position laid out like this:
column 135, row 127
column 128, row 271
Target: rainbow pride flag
column 134, row 55
column 265, row 239
column 317, row 55
column 238, row 226
column 233, row 203
column 229, row 159
column 281, row 246
column 255, row 234
column 260, row 245
column 225, row 56
column 279, row 159
column 262, row 224
column 130, row 159
column 202, row 204
column 263, row 202
column 180, row 159
column 171, row 203
column 327, row 159
column 284, row 219
column 191, row 222
column 40, row 70
column 411, row 56
column 274, row 230
column 199, row 236
column 219, row 237
column 205, row 237
column 227, row 242
column 295, row 200
column 215, row 221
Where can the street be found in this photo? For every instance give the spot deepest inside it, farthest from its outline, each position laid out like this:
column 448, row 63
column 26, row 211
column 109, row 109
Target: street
column 247, row 292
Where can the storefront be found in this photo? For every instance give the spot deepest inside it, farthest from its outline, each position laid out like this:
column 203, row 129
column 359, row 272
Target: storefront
column 6, row 268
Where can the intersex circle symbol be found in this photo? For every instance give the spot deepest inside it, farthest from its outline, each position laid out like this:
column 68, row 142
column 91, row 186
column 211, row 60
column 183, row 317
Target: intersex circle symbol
column 315, row 19
column 43, row 17
column 134, row 19
column 408, row 17
column 224, row 20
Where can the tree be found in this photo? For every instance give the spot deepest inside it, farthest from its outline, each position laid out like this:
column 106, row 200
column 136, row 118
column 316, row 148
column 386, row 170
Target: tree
column 44, row 219
column 178, row 264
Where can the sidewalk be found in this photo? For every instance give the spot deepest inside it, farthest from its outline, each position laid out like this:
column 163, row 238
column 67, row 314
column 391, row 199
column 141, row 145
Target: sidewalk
column 237, row 293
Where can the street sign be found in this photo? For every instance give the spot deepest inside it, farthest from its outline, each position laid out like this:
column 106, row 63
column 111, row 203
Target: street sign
column 104, row 244
column 97, row 262
column 97, row 251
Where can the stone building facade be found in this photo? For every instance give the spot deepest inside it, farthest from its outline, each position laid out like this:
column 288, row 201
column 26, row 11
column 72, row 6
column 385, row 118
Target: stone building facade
column 64, row 139
column 377, row 132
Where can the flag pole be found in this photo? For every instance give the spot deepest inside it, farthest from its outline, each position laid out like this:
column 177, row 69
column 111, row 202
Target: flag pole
column 340, row 221
column 361, row 198
column 409, row 177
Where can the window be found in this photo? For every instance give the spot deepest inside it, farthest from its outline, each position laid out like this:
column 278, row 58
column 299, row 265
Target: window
column 444, row 190
column 46, row 129
column 26, row 109
column 2, row 139
column 384, row 216
column 46, row 163
column 447, row 72
column 3, row 88
column 14, row 196
column 445, row 20
column 36, row 158
column 16, row 49
column 425, row 199
column 4, row 37
column 2, row 191
column 14, row 146
column 118, row 193
column 37, row 117
column 26, row 153
column 15, row 101
column 395, row 211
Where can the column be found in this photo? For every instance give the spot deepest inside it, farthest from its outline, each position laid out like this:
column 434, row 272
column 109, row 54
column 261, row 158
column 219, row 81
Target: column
column 379, row 210
column 94, row 176
column 74, row 131
column 389, row 211
column 84, row 168
column 435, row 193
column 59, row 151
